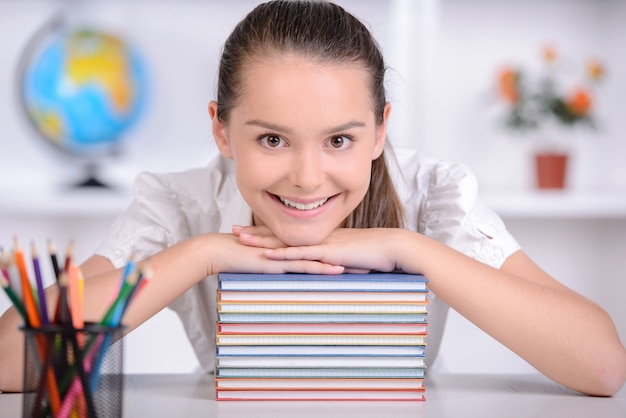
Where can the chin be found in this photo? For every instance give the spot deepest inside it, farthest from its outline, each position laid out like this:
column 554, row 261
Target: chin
column 301, row 238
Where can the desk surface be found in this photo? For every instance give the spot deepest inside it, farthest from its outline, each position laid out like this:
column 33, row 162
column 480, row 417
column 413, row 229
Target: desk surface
column 481, row 396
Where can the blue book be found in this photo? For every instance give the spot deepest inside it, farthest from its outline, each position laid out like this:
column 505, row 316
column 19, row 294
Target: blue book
column 379, row 282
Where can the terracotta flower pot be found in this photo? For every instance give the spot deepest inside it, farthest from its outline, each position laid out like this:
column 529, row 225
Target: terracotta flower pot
column 551, row 170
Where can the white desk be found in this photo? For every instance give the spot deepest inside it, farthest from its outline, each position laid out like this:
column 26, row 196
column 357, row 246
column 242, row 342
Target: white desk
column 480, row 396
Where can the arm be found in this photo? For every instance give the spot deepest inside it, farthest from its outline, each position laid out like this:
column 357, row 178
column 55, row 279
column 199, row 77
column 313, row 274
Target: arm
column 564, row 335
column 173, row 271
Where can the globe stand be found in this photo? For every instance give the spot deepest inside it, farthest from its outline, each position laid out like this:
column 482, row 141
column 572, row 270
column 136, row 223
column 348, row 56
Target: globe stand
column 91, row 179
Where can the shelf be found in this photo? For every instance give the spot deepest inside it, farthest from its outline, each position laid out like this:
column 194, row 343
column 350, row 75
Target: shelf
column 604, row 204
column 65, row 203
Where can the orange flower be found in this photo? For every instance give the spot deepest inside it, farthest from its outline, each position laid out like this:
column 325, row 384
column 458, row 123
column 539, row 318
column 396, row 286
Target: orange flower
column 507, row 85
column 533, row 98
column 548, row 52
column 595, row 69
column 579, row 101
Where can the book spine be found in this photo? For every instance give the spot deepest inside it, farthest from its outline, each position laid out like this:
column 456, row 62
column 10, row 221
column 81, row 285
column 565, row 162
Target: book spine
column 295, row 339
column 348, row 307
column 308, row 337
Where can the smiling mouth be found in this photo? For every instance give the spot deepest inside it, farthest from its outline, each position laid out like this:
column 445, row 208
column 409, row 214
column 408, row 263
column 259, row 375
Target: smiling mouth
column 302, row 206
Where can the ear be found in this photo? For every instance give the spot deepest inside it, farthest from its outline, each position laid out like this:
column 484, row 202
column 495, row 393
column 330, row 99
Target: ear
column 381, row 133
column 219, row 132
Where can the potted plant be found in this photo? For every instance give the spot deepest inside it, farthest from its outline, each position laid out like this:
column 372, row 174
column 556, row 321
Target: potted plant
column 549, row 103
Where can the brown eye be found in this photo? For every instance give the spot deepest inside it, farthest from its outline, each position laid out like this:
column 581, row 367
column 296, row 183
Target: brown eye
column 337, row 142
column 272, row 141
column 340, row 142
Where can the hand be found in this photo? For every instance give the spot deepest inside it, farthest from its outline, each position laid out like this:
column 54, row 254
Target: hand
column 243, row 252
column 358, row 250
column 257, row 236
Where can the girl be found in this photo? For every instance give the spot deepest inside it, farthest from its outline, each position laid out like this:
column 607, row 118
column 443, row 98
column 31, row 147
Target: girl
column 306, row 182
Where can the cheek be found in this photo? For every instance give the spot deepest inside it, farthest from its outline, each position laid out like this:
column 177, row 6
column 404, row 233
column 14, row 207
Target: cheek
column 255, row 174
column 250, row 178
column 355, row 174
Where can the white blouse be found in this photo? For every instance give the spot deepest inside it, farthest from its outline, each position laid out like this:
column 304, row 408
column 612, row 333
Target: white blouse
column 440, row 200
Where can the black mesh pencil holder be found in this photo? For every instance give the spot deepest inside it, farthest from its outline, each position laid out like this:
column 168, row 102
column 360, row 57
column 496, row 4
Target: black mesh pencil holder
column 73, row 372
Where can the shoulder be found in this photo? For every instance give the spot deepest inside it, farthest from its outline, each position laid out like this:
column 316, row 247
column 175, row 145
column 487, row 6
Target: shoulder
column 208, row 182
column 169, row 207
column 194, row 197
column 420, row 178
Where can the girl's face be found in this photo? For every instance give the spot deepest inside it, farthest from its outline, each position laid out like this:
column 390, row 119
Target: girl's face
column 303, row 139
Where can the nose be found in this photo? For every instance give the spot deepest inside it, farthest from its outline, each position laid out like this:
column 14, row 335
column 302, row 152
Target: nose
column 307, row 172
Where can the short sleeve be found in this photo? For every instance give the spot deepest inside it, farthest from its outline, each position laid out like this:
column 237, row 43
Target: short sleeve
column 452, row 213
column 168, row 208
column 151, row 223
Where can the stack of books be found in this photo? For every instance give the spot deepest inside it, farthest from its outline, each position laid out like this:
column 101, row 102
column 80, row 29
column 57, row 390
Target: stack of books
column 326, row 337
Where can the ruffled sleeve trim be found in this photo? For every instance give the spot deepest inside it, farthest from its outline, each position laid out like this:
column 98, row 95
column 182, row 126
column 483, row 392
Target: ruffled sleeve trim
column 141, row 228
column 452, row 213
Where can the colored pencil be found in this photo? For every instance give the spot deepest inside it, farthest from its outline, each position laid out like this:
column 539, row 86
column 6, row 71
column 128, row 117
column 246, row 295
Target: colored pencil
column 128, row 269
column 14, row 277
column 4, row 263
column 142, row 279
column 113, row 318
column 16, row 302
column 62, row 309
column 54, row 260
column 76, row 302
column 31, row 304
column 69, row 253
column 43, row 305
column 113, row 315
column 27, row 291
column 71, row 378
column 84, row 379
column 81, row 295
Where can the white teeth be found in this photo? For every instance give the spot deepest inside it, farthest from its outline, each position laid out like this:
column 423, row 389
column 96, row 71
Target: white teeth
column 302, row 206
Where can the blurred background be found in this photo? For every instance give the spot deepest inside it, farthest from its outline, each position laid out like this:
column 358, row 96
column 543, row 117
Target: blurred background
column 458, row 71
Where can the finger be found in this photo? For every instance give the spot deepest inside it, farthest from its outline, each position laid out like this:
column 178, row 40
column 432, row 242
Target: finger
column 260, row 241
column 310, row 267
column 237, row 229
column 361, row 264
column 293, row 253
column 251, row 230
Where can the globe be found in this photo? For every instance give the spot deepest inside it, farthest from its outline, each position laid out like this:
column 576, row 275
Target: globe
column 82, row 90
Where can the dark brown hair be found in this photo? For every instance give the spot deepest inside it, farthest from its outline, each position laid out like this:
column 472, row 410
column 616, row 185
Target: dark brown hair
column 324, row 32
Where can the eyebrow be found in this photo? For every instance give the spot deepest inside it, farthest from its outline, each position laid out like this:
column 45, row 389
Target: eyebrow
column 280, row 128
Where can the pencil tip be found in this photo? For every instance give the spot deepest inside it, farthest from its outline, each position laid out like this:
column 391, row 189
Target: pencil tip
column 63, row 278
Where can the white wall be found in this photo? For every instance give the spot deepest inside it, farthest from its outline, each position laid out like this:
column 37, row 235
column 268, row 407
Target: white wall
column 475, row 38
column 443, row 55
